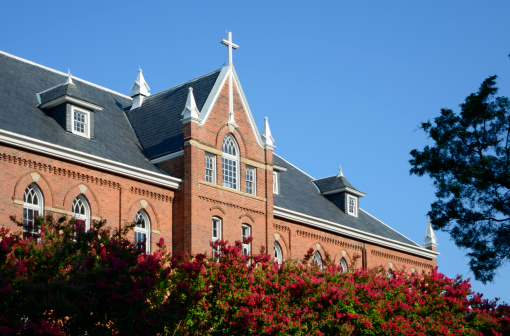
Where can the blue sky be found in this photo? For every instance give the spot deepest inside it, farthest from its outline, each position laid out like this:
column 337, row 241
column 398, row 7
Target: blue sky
column 342, row 82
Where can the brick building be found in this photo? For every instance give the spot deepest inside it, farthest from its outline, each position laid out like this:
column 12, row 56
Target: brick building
column 188, row 164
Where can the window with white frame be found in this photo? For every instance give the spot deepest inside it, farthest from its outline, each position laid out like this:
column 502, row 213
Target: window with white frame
column 81, row 211
column 251, row 180
column 278, row 255
column 245, row 234
column 343, row 264
column 210, row 168
column 317, row 259
column 32, row 208
column 216, row 235
column 230, row 162
column 80, row 121
column 352, row 206
column 142, row 231
column 276, row 183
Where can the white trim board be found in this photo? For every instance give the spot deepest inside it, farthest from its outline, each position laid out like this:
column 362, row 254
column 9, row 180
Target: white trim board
column 354, row 233
column 72, row 155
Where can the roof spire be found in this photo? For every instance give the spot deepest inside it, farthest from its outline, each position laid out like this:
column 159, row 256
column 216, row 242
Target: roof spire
column 267, row 138
column 340, row 172
column 430, row 238
column 69, row 77
column 139, row 90
column 190, row 112
column 230, row 45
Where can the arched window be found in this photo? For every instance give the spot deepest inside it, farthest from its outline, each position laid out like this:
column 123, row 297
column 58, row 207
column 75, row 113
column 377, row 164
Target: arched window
column 230, row 162
column 81, row 211
column 343, row 264
column 278, row 255
column 216, row 235
column 317, row 259
column 142, row 231
column 245, row 234
column 33, row 205
column 389, row 273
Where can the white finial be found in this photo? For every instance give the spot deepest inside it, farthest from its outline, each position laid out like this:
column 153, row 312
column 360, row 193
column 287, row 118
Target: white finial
column 230, row 45
column 340, row 172
column 139, row 90
column 430, row 237
column 69, row 77
column 267, row 138
column 190, row 112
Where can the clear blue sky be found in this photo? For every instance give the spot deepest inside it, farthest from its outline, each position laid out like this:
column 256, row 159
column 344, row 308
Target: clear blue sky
column 342, row 82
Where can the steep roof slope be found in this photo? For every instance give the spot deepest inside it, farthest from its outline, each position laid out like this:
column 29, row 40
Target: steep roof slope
column 113, row 139
column 298, row 193
column 157, row 122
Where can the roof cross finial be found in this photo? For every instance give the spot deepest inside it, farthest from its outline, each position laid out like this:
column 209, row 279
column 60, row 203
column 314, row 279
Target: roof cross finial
column 228, row 42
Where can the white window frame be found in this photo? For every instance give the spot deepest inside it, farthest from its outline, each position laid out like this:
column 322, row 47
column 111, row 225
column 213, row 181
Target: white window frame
column 343, row 264
column 230, row 158
column 86, row 132
column 32, row 210
column 253, row 180
column 278, row 255
column 245, row 233
column 142, row 216
column 317, row 259
column 276, row 183
column 210, row 159
column 354, row 211
column 216, row 226
column 78, row 216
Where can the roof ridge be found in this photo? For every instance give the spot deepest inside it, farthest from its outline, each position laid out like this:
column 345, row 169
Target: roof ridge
column 310, row 176
column 63, row 74
column 182, row 84
column 326, row 177
column 377, row 219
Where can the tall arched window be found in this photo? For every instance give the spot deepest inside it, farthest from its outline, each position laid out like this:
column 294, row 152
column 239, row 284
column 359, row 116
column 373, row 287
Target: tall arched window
column 142, row 231
column 33, row 205
column 81, row 211
column 278, row 255
column 343, row 264
column 230, row 162
column 317, row 259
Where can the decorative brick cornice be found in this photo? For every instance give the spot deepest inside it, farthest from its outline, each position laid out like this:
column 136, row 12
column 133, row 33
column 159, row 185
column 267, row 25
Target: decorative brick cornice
column 282, row 228
column 230, row 205
column 401, row 259
column 328, row 240
column 151, row 194
column 58, row 171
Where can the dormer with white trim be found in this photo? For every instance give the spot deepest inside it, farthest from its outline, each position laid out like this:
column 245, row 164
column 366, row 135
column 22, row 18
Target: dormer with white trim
column 139, row 90
column 340, row 192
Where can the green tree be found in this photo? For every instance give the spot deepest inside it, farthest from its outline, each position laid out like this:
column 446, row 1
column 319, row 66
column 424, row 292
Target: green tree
column 469, row 164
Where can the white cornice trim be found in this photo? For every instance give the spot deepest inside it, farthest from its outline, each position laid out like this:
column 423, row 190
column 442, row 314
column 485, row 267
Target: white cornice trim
column 354, row 233
column 88, row 159
column 168, row 156
column 351, row 190
column 72, row 100
column 279, row 168
column 63, row 74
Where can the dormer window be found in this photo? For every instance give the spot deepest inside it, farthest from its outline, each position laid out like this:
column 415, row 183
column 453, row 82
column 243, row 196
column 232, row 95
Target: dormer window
column 81, row 121
column 352, row 205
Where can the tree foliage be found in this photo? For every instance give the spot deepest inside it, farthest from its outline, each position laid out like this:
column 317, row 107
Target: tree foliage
column 469, row 163
column 98, row 283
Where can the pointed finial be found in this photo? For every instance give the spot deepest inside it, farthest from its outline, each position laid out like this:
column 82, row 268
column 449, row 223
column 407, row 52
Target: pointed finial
column 340, row 172
column 190, row 112
column 267, row 138
column 139, row 90
column 230, row 45
column 69, row 77
column 430, row 237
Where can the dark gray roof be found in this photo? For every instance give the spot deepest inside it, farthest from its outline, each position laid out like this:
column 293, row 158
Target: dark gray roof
column 157, row 122
column 70, row 90
column 332, row 183
column 113, row 139
column 299, row 193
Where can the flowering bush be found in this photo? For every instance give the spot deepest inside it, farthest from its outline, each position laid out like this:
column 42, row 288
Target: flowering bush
column 99, row 283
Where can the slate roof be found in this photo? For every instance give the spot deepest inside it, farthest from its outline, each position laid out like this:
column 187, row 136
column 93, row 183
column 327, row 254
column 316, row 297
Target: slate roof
column 157, row 122
column 67, row 90
column 332, row 183
column 114, row 138
column 299, row 193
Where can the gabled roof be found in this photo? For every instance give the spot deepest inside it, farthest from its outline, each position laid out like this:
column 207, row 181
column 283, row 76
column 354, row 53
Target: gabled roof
column 157, row 122
column 299, row 193
column 114, row 139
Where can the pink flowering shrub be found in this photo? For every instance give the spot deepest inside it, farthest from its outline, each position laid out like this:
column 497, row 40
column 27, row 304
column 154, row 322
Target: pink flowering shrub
column 99, row 283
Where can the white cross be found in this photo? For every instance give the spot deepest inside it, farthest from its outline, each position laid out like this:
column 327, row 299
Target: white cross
column 230, row 45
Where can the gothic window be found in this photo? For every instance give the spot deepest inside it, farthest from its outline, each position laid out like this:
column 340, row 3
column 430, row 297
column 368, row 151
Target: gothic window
column 389, row 273
column 317, row 259
column 81, row 122
column 278, row 255
column 142, row 231
column 251, row 180
column 245, row 234
column 230, row 162
column 343, row 264
column 81, row 211
column 210, row 168
column 216, row 235
column 32, row 208
column 352, row 206
column 276, row 183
